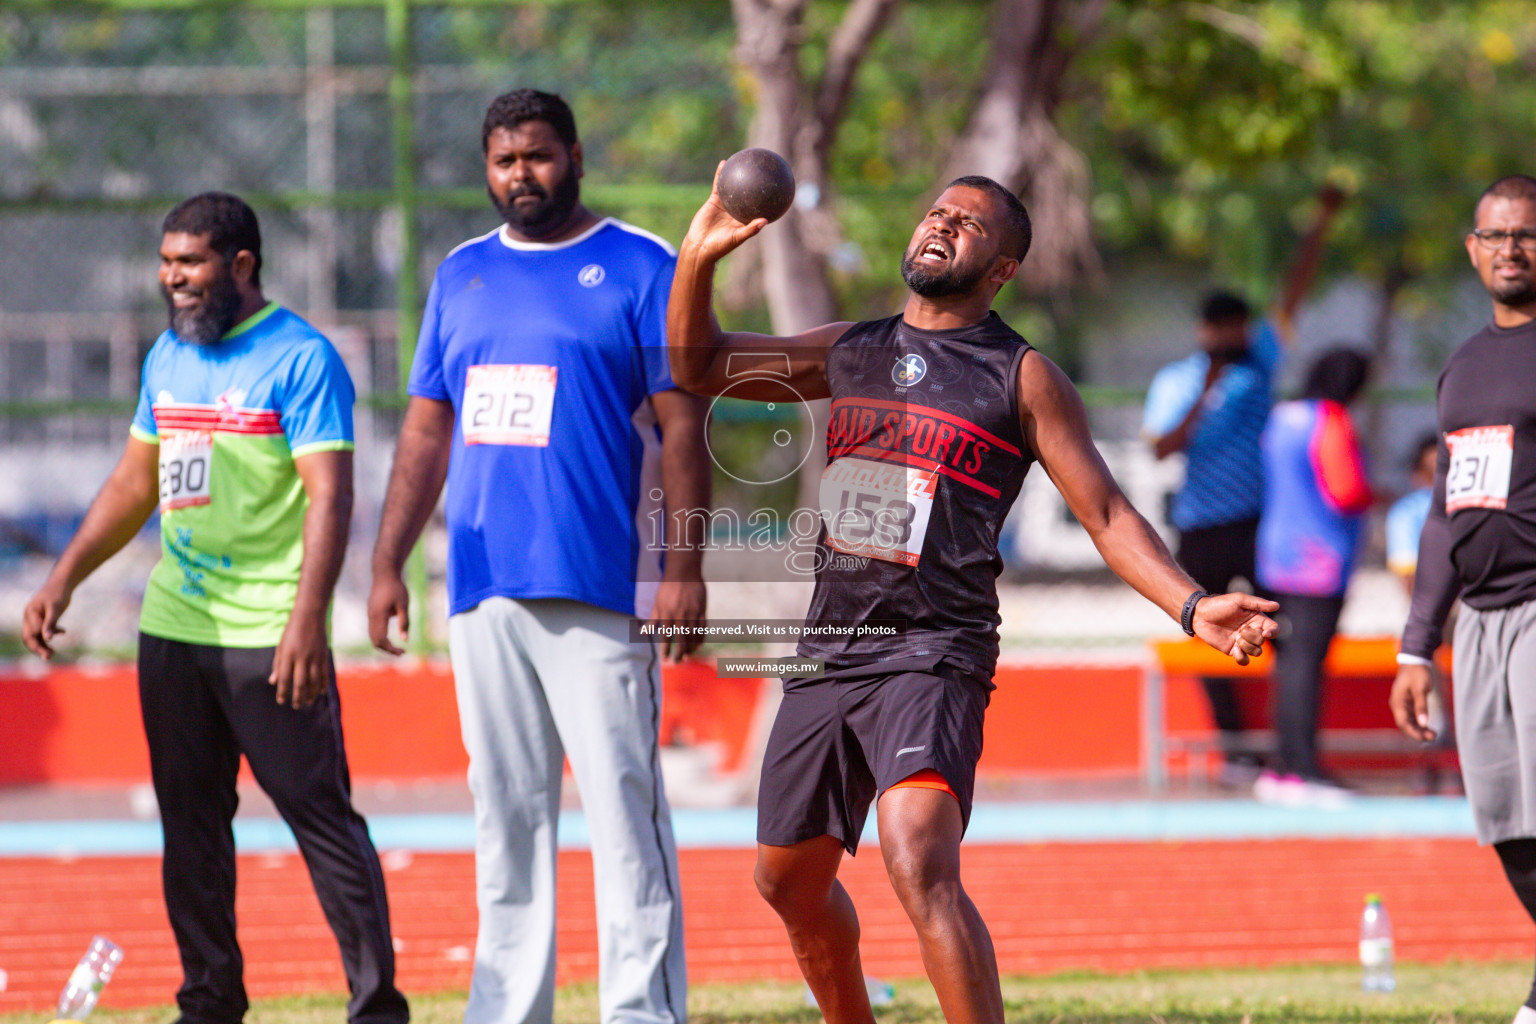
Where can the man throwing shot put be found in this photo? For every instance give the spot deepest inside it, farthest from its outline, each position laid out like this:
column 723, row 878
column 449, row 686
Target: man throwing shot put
column 1479, row 542
column 243, row 439
column 936, row 415
column 540, row 393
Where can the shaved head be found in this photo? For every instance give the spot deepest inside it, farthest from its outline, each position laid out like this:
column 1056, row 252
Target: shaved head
column 1513, row 186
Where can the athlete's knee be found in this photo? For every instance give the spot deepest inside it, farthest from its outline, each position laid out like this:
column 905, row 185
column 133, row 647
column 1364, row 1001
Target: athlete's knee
column 787, row 891
column 774, row 885
column 925, row 876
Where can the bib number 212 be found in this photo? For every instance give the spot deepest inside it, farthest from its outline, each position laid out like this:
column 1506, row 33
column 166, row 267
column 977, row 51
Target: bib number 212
column 509, row 404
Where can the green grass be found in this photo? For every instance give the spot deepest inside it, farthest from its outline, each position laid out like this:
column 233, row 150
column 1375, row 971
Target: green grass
column 1442, row 994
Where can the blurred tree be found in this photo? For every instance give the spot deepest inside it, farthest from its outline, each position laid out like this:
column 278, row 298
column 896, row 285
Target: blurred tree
column 799, row 119
column 1011, row 135
column 1211, row 125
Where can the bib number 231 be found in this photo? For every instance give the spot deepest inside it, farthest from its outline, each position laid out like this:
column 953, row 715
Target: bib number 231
column 185, row 462
column 509, row 404
column 1481, row 459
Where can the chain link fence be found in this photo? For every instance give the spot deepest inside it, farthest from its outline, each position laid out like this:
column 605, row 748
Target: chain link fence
column 353, row 129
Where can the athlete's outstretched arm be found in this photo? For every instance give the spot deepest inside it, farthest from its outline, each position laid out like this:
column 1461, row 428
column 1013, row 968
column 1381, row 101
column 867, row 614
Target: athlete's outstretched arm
column 1056, row 427
column 421, row 466
column 706, row 360
column 120, row 509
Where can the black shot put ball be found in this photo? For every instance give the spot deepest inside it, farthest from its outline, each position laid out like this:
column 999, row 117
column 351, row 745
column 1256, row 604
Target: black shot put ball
column 756, row 183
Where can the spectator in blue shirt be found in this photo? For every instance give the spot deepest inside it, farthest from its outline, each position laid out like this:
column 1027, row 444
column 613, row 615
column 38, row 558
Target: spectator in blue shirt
column 1405, row 519
column 1212, row 405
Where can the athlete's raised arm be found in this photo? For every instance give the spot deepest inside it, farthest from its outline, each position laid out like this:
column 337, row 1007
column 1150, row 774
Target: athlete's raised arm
column 1056, row 425
column 706, row 360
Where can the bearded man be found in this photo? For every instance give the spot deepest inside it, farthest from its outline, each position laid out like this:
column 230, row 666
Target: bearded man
column 540, row 394
column 243, row 440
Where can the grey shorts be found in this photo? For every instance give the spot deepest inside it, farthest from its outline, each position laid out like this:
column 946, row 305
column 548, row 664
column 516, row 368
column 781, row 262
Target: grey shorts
column 1495, row 702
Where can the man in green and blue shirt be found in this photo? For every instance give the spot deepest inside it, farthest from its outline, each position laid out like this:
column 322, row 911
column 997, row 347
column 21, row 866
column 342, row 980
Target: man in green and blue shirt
column 243, row 441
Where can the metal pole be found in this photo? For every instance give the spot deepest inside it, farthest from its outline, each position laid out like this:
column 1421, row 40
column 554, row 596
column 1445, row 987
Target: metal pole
column 1154, row 725
column 397, row 31
column 320, row 162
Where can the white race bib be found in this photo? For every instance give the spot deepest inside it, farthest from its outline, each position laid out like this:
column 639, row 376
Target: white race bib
column 1481, row 458
column 877, row 509
column 186, row 461
column 509, row 404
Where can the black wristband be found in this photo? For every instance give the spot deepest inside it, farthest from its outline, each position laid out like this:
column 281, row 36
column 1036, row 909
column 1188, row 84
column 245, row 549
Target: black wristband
column 1187, row 616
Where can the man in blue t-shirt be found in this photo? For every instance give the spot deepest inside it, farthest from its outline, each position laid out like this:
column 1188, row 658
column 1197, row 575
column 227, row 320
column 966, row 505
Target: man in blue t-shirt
column 541, row 393
column 1212, row 406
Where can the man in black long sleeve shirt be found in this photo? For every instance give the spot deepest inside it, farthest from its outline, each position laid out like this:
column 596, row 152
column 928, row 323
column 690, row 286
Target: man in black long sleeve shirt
column 1479, row 543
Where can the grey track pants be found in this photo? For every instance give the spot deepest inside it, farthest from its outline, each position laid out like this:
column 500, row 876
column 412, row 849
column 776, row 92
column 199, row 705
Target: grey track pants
column 1495, row 697
column 539, row 681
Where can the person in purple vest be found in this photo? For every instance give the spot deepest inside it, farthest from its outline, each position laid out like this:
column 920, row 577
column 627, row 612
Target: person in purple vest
column 1316, row 495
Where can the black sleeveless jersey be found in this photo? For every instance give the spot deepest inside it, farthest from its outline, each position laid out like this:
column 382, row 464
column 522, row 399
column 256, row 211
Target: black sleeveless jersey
column 925, row 455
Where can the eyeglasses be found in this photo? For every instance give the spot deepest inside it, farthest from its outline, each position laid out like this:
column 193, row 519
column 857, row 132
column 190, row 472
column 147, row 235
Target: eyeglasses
column 1494, row 238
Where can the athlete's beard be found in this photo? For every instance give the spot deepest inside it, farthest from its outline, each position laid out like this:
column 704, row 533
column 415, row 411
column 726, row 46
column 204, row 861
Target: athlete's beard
column 546, row 217
column 955, row 279
column 210, row 320
column 1514, row 293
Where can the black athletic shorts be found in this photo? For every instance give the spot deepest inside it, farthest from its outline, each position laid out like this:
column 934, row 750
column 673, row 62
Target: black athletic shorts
column 843, row 738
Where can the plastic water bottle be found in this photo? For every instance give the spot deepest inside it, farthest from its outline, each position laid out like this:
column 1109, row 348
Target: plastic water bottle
column 1376, row 947
column 90, row 975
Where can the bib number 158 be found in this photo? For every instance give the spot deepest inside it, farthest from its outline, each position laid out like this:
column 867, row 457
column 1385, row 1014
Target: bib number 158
column 877, row 509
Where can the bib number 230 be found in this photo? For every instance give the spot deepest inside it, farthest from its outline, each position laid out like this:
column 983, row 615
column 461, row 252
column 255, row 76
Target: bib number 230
column 509, row 404
column 185, row 463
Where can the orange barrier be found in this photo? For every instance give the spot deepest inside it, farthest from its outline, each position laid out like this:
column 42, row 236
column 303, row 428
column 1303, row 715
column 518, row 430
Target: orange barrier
column 82, row 724
column 77, row 724
column 1357, row 673
column 1348, row 656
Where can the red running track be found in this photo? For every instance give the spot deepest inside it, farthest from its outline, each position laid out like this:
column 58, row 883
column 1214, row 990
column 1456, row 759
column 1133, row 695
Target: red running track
column 1110, row 907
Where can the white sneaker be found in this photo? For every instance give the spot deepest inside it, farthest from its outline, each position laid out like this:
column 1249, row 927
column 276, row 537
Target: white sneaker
column 1278, row 790
column 1324, row 794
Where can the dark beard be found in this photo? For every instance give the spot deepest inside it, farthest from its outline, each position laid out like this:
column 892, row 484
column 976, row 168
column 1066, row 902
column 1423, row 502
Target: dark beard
column 207, row 323
column 930, row 284
column 549, row 215
column 1514, row 294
